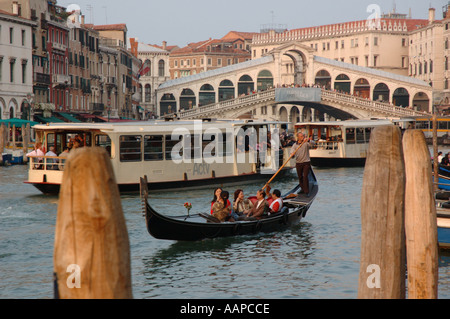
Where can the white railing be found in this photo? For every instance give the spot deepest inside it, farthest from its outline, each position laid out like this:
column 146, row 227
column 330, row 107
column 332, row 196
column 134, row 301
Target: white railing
column 368, row 105
column 47, row 163
column 224, row 106
column 331, row 96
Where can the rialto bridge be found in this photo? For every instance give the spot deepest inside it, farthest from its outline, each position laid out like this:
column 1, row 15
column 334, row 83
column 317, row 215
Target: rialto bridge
column 291, row 84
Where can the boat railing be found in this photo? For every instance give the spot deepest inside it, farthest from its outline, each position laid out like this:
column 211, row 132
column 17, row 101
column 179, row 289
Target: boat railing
column 47, row 163
column 325, row 145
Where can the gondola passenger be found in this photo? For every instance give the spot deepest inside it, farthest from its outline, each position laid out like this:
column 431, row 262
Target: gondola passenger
column 217, row 193
column 260, row 207
column 240, row 204
column 220, row 210
column 277, row 203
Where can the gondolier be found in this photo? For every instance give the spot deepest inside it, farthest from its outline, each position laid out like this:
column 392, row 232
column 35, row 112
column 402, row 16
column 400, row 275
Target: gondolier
column 302, row 161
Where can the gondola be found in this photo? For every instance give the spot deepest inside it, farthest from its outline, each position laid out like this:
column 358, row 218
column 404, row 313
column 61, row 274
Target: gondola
column 194, row 227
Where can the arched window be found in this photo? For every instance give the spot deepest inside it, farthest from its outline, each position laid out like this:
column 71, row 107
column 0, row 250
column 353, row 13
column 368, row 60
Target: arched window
column 161, row 68
column 148, row 93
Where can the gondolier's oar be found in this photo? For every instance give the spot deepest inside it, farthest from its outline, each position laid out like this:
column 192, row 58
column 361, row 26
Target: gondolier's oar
column 287, row 161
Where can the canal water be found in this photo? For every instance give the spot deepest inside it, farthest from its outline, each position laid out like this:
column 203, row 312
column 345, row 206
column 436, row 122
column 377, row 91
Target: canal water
column 317, row 259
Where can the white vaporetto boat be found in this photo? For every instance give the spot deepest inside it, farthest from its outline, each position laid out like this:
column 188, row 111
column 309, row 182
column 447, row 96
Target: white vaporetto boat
column 340, row 143
column 172, row 154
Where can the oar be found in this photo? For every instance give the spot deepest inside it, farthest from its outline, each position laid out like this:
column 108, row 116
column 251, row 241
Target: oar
column 287, row 161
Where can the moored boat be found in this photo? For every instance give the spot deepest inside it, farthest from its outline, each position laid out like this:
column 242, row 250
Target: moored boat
column 340, row 143
column 173, row 154
column 193, row 227
column 443, row 226
column 444, row 177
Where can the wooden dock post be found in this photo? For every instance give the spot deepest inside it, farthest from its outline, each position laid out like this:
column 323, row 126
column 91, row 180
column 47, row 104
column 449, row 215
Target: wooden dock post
column 25, row 140
column 382, row 264
column 2, row 141
column 420, row 218
column 91, row 253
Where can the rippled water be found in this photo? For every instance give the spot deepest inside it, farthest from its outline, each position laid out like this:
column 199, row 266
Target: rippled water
column 317, row 259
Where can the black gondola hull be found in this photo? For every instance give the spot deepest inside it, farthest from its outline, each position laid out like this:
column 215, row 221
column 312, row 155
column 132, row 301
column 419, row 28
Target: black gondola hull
column 195, row 227
column 162, row 227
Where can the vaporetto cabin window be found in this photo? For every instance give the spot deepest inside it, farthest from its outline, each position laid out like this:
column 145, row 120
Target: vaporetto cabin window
column 170, row 143
column 153, row 148
column 130, row 148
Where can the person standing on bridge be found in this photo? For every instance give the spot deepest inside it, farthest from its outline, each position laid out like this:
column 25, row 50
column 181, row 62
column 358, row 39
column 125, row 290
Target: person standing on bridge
column 303, row 161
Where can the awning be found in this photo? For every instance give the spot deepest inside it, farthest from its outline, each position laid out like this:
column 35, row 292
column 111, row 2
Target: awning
column 51, row 119
column 18, row 122
column 69, row 117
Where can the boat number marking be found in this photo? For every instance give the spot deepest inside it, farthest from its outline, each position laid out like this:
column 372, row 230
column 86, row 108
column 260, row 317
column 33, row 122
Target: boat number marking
column 201, row 169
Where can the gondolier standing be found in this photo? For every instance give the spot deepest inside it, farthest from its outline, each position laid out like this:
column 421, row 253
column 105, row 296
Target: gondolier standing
column 303, row 161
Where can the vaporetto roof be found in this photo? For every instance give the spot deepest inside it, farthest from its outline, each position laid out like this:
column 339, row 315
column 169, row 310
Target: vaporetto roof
column 153, row 126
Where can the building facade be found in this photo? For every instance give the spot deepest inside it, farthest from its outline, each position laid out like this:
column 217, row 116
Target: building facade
column 380, row 44
column 207, row 55
column 156, row 71
column 429, row 57
column 16, row 70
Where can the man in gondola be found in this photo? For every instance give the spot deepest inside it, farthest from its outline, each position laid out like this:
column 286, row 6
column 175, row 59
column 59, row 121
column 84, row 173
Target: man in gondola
column 302, row 161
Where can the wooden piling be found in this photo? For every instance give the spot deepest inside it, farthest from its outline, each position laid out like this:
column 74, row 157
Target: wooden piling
column 420, row 219
column 91, row 241
column 435, row 154
column 382, row 264
column 25, row 140
column 2, row 141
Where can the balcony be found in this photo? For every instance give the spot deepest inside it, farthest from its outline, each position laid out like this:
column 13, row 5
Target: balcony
column 59, row 46
column 98, row 107
column 41, row 78
column 61, row 79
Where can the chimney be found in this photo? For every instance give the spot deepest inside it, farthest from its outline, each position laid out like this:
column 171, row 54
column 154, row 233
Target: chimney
column 164, row 45
column 15, row 8
column 431, row 15
column 82, row 19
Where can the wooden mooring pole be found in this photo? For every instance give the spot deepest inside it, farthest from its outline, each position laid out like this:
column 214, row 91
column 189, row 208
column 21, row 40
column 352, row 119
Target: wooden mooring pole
column 91, row 253
column 382, row 264
column 398, row 218
column 2, row 141
column 420, row 218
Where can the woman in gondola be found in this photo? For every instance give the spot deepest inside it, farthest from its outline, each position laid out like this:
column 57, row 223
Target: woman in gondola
column 240, row 204
column 220, row 209
column 217, row 193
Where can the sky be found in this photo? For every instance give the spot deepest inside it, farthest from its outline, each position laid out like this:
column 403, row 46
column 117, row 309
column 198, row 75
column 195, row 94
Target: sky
column 180, row 22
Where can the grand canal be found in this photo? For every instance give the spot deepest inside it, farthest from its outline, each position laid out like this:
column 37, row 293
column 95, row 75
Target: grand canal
column 317, row 259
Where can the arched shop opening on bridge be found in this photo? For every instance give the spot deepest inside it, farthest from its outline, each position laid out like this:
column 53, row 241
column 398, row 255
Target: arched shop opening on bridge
column 401, row 97
column 245, row 85
column 207, row 95
column 362, row 88
column 342, row 84
column 381, row 93
column 187, row 99
column 226, row 90
column 421, row 102
column 323, row 79
column 168, row 104
column 265, row 80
